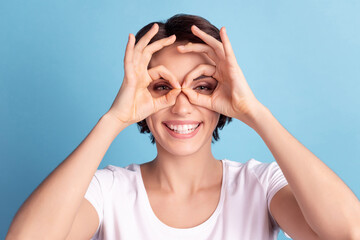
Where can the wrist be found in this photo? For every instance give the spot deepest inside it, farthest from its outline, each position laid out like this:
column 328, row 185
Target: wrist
column 255, row 116
column 260, row 117
column 113, row 122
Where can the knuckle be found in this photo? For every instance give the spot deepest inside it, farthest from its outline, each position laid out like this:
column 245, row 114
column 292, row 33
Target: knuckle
column 147, row 53
column 167, row 39
column 160, row 68
column 203, row 66
column 150, row 71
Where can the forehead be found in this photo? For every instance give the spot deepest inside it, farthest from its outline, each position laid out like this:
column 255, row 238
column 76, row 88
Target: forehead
column 179, row 64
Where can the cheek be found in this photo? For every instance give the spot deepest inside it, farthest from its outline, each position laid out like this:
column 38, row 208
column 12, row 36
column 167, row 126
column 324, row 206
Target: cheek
column 217, row 118
column 215, row 115
column 213, row 118
column 149, row 123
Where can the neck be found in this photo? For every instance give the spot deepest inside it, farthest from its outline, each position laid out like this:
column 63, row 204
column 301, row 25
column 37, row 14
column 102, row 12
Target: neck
column 186, row 174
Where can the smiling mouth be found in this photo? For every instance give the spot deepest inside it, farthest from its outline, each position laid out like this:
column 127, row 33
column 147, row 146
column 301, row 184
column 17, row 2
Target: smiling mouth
column 183, row 129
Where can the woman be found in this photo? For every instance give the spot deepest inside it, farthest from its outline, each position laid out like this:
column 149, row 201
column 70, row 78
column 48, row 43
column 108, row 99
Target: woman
column 182, row 88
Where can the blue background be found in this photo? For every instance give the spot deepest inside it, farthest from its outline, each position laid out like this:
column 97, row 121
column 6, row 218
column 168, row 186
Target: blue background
column 61, row 65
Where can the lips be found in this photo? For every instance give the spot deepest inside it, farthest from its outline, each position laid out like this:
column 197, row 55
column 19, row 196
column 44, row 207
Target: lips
column 178, row 122
column 182, row 129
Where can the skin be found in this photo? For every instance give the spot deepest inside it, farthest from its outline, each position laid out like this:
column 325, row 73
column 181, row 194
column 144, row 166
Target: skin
column 183, row 166
column 184, row 171
column 318, row 206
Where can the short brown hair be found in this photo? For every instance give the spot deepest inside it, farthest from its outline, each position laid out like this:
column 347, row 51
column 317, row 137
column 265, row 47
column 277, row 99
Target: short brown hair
column 180, row 25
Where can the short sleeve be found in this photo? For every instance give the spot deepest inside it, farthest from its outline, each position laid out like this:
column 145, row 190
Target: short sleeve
column 277, row 181
column 272, row 179
column 96, row 192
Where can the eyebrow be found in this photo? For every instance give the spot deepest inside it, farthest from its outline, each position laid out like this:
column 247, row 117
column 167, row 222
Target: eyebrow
column 203, row 76
column 198, row 78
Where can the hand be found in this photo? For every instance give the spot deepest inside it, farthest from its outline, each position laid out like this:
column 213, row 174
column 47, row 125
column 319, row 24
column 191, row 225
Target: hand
column 134, row 102
column 232, row 96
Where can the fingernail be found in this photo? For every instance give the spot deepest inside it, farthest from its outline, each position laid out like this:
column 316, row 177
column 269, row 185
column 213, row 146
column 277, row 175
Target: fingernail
column 181, row 47
column 195, row 27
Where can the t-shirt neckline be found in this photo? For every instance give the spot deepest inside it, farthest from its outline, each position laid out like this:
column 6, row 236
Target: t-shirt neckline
column 183, row 231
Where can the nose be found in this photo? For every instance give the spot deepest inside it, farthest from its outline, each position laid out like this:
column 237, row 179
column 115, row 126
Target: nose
column 182, row 105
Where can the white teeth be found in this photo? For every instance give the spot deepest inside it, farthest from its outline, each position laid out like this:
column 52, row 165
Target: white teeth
column 183, row 129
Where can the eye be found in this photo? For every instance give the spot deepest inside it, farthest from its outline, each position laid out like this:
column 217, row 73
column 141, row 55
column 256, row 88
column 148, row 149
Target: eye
column 204, row 88
column 161, row 87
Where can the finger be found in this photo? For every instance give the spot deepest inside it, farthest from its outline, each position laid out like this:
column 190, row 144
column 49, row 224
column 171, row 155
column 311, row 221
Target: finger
column 129, row 53
column 156, row 46
column 167, row 100
column 200, row 48
column 129, row 49
column 226, row 42
column 162, row 72
column 198, row 98
column 159, row 44
column 209, row 40
column 144, row 41
column 199, row 70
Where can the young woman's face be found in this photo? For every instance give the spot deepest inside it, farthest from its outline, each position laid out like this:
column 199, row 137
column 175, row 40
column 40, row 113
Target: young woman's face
column 183, row 128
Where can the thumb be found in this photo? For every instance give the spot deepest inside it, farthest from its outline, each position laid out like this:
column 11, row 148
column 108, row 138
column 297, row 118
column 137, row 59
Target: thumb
column 198, row 99
column 167, row 100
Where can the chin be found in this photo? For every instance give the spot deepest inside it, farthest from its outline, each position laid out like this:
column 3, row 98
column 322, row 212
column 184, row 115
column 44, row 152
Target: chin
column 180, row 148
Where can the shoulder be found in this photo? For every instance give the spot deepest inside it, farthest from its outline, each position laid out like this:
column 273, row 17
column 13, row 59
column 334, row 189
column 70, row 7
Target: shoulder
column 111, row 174
column 267, row 174
column 117, row 170
column 252, row 166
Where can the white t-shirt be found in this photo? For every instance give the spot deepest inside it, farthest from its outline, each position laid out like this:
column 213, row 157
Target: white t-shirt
column 120, row 199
